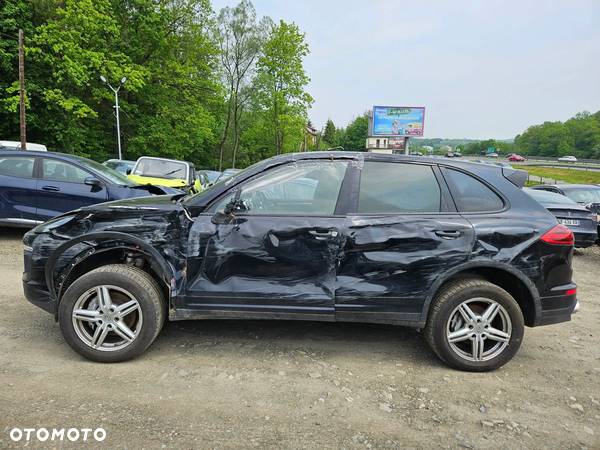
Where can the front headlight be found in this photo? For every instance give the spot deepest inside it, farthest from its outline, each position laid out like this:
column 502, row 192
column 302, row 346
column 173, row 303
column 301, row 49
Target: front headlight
column 52, row 224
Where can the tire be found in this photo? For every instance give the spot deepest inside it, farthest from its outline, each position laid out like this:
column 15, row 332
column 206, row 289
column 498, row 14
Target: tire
column 448, row 321
column 108, row 326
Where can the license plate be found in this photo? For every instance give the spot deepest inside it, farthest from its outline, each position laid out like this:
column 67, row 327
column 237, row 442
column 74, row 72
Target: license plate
column 569, row 222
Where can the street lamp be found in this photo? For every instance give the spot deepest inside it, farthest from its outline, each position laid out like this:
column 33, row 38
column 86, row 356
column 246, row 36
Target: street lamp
column 116, row 91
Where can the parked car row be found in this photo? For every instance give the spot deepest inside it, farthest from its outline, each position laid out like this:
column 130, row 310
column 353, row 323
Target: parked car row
column 36, row 186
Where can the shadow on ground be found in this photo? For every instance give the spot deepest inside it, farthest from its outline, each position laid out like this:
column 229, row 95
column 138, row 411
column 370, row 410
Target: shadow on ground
column 354, row 340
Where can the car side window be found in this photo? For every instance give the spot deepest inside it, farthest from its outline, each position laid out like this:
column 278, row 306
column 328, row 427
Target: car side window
column 393, row 188
column 16, row 166
column 55, row 170
column 305, row 188
column 470, row 194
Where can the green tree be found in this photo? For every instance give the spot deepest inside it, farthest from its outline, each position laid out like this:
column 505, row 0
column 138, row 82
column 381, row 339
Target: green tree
column 172, row 98
column 240, row 37
column 355, row 136
column 579, row 136
column 329, row 134
column 280, row 86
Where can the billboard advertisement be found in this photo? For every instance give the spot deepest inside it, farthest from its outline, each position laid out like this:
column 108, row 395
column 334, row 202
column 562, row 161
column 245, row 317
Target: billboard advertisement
column 398, row 120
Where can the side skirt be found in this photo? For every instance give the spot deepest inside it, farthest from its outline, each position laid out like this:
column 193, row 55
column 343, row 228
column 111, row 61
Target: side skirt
column 205, row 314
column 401, row 319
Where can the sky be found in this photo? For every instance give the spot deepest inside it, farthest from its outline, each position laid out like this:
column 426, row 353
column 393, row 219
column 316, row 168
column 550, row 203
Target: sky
column 482, row 68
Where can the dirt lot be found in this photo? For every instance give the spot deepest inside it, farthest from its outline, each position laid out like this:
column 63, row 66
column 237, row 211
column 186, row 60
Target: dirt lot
column 300, row 385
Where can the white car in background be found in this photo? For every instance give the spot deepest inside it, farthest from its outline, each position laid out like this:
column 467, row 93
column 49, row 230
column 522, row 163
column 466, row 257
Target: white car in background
column 15, row 145
column 567, row 159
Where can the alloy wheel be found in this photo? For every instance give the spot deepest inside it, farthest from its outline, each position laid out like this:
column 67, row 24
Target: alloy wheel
column 479, row 329
column 107, row 318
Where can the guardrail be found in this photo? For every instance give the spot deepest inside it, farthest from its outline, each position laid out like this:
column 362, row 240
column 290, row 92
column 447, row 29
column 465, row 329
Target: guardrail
column 555, row 159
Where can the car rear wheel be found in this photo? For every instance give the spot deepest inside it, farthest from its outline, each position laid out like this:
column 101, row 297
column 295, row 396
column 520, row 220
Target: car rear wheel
column 112, row 313
column 474, row 325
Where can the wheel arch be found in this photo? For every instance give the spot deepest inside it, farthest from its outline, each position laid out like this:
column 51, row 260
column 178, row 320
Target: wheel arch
column 503, row 275
column 103, row 248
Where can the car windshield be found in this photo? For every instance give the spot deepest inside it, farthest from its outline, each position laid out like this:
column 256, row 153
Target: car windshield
column 114, row 163
column 545, row 197
column 222, row 181
column 228, row 173
column 160, row 168
column 212, row 175
column 110, row 174
column 583, row 195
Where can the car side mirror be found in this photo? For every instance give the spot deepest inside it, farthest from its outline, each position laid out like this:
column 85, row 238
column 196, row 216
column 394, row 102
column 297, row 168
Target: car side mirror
column 228, row 215
column 128, row 171
column 91, row 181
column 95, row 183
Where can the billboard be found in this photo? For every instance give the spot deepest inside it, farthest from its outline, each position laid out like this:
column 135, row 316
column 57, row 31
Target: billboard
column 398, row 120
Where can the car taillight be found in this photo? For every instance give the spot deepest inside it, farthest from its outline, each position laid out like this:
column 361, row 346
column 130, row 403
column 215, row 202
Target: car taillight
column 571, row 292
column 559, row 235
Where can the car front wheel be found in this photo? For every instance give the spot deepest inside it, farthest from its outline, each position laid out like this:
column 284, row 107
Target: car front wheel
column 474, row 325
column 112, row 313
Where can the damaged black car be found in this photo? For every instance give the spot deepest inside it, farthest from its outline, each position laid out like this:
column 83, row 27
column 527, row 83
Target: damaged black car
column 450, row 247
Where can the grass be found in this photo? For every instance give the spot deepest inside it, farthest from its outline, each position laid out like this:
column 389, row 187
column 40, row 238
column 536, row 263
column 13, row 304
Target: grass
column 566, row 175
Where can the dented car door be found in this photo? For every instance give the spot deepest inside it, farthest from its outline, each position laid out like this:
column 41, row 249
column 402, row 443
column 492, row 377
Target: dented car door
column 277, row 253
column 404, row 232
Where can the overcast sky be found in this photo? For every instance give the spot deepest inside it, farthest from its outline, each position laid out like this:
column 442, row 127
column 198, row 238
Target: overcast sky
column 481, row 68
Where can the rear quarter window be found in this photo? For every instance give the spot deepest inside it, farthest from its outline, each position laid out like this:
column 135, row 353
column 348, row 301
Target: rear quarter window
column 470, row 194
column 396, row 188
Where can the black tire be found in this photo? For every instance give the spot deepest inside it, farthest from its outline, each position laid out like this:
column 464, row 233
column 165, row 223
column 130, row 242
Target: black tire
column 448, row 299
column 137, row 282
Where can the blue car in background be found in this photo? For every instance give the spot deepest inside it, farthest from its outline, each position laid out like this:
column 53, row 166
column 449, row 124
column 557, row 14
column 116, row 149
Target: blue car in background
column 36, row 186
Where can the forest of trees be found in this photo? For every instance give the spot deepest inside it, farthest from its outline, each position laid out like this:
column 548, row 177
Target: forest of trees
column 578, row 136
column 217, row 88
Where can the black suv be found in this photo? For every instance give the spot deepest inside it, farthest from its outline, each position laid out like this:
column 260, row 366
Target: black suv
column 451, row 247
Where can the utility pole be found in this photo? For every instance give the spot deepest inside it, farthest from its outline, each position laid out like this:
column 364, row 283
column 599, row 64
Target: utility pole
column 23, row 128
column 116, row 91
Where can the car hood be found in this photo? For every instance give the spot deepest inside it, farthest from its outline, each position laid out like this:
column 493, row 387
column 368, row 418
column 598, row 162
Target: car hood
column 148, row 203
column 156, row 181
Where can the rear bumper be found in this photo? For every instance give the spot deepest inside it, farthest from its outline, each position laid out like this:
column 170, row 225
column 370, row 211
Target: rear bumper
column 558, row 307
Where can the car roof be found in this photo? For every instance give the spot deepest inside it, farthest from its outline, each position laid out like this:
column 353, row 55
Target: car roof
column 483, row 170
column 41, row 153
column 371, row 156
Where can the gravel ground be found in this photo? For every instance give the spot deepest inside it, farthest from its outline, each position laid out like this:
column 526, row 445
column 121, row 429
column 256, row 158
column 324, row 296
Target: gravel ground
column 235, row 384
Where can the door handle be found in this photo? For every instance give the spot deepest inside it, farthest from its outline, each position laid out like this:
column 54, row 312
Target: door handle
column 321, row 235
column 448, row 234
column 50, row 188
